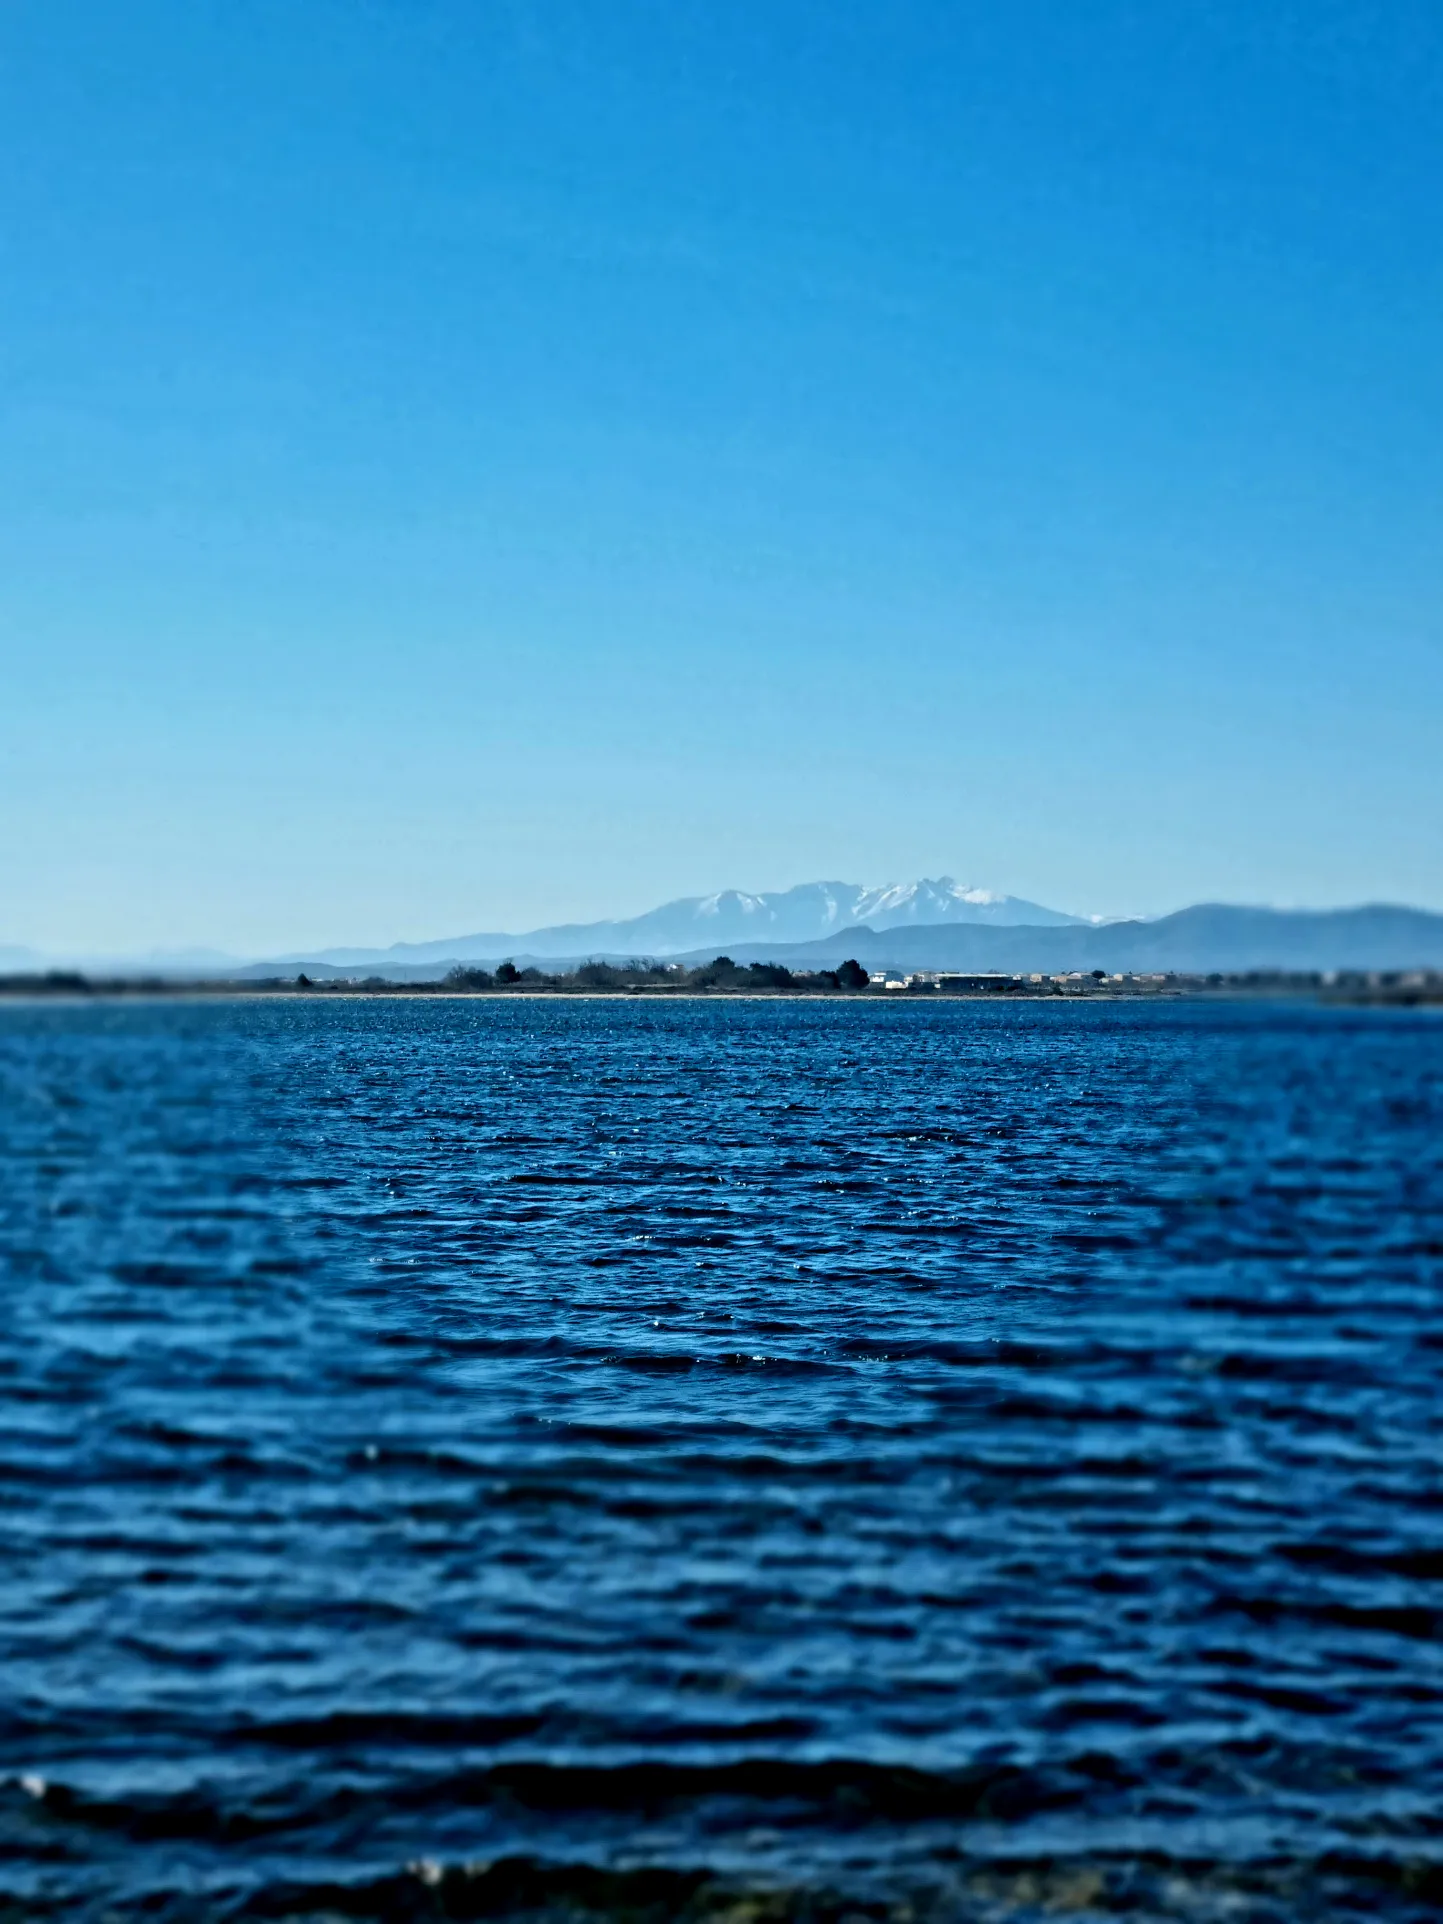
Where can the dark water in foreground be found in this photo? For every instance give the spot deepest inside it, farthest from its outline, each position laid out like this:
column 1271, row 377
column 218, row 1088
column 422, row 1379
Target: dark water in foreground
column 720, row 1460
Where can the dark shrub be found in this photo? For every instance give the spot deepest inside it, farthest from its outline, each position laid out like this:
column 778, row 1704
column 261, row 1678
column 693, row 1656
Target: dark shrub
column 599, row 975
column 459, row 978
column 769, row 975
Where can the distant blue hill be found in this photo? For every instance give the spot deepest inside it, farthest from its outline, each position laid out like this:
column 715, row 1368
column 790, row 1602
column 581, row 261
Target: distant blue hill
column 1211, row 937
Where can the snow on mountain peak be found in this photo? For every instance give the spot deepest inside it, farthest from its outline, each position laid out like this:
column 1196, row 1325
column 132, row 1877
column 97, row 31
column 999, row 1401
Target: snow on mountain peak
column 805, row 913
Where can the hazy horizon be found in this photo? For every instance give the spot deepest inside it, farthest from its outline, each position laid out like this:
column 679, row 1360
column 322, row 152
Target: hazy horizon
column 481, row 925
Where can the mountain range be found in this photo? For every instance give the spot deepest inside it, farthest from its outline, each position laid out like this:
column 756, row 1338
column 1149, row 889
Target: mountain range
column 809, row 913
column 929, row 924
column 1213, row 936
column 1195, row 941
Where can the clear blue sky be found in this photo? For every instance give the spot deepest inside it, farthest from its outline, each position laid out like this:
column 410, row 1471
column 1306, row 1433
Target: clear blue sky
column 469, row 465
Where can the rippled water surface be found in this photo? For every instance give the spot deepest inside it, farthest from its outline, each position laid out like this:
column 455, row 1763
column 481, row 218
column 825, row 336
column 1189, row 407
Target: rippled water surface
column 746, row 1459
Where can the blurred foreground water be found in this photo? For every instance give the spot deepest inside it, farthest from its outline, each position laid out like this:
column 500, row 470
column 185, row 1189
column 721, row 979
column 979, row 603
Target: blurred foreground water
column 746, row 1459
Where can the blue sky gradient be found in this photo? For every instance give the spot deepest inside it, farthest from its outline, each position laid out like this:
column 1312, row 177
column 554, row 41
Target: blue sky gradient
column 478, row 465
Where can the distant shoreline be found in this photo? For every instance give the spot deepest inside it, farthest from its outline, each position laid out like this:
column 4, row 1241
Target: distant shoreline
column 1384, row 989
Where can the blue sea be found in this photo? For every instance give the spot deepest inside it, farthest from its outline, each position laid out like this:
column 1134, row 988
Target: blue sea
column 744, row 1460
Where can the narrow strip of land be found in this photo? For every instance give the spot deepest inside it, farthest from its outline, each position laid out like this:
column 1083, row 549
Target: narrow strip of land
column 723, row 977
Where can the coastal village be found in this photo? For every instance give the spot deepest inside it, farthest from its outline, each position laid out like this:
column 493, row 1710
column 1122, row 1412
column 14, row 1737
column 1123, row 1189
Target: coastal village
column 996, row 982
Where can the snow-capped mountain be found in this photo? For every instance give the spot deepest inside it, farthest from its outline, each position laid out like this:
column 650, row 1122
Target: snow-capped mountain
column 807, row 913
column 904, row 903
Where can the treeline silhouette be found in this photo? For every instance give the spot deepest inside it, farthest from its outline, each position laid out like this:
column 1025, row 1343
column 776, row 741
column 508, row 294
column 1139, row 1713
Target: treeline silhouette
column 1392, row 987
column 617, row 977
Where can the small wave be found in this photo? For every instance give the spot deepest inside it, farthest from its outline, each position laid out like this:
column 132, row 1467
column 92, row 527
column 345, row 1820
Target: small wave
column 1346, row 1888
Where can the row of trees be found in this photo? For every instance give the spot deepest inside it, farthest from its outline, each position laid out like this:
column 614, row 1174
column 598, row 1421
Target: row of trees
column 721, row 974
